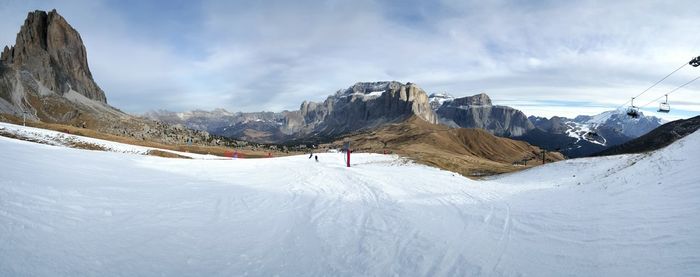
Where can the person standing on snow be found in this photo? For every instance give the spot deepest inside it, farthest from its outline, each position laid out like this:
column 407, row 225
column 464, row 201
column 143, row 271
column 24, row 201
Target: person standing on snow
column 316, row 158
column 311, row 155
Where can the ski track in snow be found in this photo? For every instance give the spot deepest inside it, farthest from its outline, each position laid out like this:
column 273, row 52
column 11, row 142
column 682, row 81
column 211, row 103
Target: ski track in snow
column 67, row 212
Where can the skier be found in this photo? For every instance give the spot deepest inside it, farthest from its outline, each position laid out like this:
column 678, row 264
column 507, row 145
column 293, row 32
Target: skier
column 311, row 155
column 316, row 158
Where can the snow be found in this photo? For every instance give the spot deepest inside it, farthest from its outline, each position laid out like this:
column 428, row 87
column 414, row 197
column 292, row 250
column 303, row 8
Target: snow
column 603, row 117
column 581, row 126
column 58, row 138
column 66, row 212
column 580, row 131
column 437, row 99
column 375, row 93
column 366, row 96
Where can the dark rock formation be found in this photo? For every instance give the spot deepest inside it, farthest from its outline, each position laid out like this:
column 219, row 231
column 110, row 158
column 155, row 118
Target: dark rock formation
column 45, row 76
column 365, row 105
column 478, row 112
column 53, row 52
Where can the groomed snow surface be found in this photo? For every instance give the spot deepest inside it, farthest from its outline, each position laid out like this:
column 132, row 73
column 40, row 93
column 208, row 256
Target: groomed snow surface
column 70, row 212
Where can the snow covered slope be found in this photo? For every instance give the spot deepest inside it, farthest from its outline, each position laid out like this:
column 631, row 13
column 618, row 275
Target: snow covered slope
column 67, row 212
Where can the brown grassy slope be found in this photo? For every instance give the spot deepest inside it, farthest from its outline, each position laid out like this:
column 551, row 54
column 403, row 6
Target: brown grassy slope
column 213, row 150
column 470, row 152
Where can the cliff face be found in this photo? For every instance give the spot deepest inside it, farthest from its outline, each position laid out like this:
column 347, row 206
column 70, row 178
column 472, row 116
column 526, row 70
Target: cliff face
column 364, row 105
column 45, row 76
column 478, row 112
column 53, row 53
column 367, row 105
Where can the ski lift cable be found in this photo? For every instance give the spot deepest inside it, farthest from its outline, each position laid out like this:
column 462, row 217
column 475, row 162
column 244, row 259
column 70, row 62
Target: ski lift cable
column 669, row 93
column 657, row 82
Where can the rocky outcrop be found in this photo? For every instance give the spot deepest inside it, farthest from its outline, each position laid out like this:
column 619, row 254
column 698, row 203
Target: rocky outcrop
column 53, row 53
column 478, row 112
column 45, row 76
column 437, row 99
column 364, row 105
column 368, row 105
column 555, row 125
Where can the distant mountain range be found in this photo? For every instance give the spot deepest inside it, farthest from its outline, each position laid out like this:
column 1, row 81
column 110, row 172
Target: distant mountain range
column 367, row 105
column 585, row 135
column 363, row 106
column 657, row 138
column 577, row 137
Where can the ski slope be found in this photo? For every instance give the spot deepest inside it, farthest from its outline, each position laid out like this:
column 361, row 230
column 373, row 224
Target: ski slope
column 69, row 212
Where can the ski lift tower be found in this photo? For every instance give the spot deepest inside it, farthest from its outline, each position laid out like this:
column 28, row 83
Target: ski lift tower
column 24, row 118
column 346, row 148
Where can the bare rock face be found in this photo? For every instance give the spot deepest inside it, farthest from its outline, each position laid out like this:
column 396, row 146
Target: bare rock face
column 364, row 105
column 478, row 112
column 367, row 105
column 45, row 76
column 53, row 52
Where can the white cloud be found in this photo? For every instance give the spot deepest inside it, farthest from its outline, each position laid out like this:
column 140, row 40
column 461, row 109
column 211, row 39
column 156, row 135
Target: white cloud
column 271, row 55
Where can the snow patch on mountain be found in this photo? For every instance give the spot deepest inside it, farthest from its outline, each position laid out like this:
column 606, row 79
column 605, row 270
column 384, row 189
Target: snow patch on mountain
column 371, row 95
column 584, row 132
column 375, row 93
column 618, row 119
column 437, row 99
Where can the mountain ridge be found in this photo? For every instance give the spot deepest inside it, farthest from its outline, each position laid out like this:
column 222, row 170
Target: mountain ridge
column 585, row 135
column 577, row 137
column 477, row 111
column 362, row 106
column 656, row 139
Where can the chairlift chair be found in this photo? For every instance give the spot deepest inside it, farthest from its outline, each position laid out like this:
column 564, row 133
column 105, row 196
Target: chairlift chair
column 695, row 62
column 633, row 111
column 664, row 107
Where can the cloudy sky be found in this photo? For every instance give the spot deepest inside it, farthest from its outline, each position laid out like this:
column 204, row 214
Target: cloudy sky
column 543, row 57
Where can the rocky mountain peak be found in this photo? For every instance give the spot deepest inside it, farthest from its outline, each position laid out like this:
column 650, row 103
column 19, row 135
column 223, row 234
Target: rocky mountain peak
column 618, row 119
column 373, row 88
column 481, row 99
column 53, row 52
column 477, row 111
column 437, row 99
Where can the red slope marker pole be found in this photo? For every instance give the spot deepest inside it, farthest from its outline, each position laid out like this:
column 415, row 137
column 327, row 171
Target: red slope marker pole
column 348, row 151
